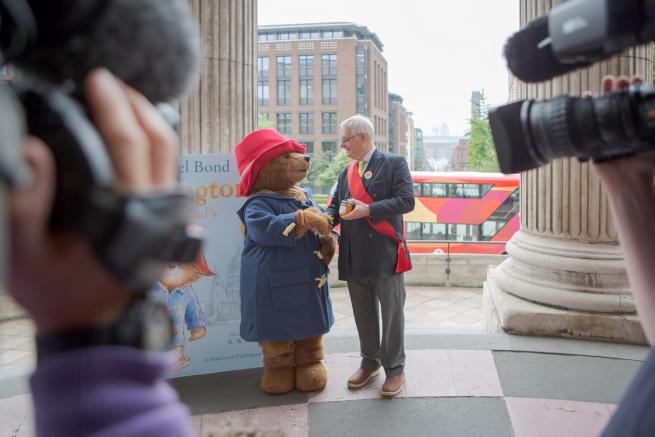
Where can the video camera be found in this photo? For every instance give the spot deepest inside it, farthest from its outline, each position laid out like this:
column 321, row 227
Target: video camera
column 575, row 34
column 134, row 236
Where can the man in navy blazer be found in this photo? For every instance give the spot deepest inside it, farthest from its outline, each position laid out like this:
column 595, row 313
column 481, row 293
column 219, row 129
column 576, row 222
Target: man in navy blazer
column 372, row 250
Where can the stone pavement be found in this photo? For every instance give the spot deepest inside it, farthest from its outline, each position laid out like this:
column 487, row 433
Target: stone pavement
column 460, row 382
column 457, row 385
column 425, row 307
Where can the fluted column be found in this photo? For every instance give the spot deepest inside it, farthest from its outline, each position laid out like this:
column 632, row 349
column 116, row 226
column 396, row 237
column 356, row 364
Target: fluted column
column 565, row 273
column 222, row 109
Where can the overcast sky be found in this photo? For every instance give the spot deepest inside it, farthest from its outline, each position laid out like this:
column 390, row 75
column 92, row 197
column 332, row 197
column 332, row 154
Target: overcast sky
column 438, row 51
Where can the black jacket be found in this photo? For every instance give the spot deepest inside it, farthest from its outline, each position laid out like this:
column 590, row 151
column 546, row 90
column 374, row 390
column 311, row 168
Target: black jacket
column 364, row 252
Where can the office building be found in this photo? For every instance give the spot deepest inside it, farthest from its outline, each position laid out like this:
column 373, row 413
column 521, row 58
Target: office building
column 310, row 77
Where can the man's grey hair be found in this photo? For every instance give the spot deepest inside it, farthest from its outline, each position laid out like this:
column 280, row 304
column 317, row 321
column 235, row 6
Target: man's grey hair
column 359, row 124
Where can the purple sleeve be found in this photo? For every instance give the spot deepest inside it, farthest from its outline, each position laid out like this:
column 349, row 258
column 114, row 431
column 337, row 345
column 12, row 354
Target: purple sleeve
column 107, row 391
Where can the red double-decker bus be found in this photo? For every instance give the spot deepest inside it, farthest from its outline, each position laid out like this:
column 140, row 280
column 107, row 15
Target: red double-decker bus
column 462, row 212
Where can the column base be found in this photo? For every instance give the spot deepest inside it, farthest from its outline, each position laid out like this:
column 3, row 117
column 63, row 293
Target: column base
column 505, row 312
column 9, row 309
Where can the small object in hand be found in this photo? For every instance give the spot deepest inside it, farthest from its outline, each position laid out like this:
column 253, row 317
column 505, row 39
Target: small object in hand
column 320, row 282
column 346, row 207
column 288, row 229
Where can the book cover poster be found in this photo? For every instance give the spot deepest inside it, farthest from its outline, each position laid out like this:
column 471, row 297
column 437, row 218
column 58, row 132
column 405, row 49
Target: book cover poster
column 204, row 296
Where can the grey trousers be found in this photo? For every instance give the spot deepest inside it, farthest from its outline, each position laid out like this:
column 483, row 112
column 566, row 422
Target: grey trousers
column 368, row 297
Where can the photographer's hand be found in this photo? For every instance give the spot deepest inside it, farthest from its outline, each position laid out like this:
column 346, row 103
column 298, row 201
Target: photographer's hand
column 630, row 186
column 57, row 278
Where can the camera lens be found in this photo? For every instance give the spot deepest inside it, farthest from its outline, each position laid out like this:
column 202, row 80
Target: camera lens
column 531, row 133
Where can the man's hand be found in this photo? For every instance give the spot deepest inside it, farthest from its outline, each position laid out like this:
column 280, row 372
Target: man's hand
column 58, row 278
column 360, row 210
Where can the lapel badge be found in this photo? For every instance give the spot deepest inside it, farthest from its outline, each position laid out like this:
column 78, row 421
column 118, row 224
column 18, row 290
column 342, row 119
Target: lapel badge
column 368, row 174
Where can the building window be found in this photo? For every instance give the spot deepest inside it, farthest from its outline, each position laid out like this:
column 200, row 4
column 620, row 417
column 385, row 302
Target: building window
column 306, row 91
column 329, row 122
column 283, row 80
column 306, row 122
column 329, row 65
column 262, row 67
column 284, row 66
column 283, row 92
column 306, row 79
column 310, row 147
column 284, row 122
column 329, row 91
column 306, row 66
column 262, row 92
column 329, row 148
column 361, row 79
column 329, row 77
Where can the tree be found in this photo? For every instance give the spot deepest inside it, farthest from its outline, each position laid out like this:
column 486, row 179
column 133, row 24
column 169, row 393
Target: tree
column 263, row 121
column 329, row 175
column 318, row 166
column 481, row 151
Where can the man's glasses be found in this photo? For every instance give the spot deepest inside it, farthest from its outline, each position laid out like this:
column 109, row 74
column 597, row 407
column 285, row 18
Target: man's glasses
column 345, row 140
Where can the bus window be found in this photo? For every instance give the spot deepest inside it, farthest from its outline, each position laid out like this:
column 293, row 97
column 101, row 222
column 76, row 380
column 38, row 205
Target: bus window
column 433, row 231
column 471, row 191
column 435, row 190
column 489, row 229
column 413, row 231
column 417, row 189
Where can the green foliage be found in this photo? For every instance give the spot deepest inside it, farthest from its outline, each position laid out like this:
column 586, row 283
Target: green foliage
column 481, row 151
column 318, row 166
column 263, row 122
column 330, row 173
column 321, row 199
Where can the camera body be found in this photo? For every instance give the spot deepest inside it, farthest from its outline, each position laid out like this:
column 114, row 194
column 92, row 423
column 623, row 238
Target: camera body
column 575, row 34
column 530, row 133
column 133, row 236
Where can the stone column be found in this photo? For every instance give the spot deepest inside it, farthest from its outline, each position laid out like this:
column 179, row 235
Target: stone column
column 222, row 109
column 565, row 275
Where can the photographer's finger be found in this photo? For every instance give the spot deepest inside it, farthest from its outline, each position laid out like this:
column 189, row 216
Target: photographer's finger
column 30, row 206
column 112, row 113
column 163, row 140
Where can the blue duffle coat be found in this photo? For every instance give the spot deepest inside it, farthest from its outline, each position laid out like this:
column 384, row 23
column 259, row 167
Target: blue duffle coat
column 280, row 300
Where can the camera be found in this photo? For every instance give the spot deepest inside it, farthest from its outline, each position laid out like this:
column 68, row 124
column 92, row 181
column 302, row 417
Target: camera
column 529, row 133
column 573, row 35
column 133, row 235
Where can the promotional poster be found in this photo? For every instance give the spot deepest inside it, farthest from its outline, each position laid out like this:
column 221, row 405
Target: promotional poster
column 204, row 296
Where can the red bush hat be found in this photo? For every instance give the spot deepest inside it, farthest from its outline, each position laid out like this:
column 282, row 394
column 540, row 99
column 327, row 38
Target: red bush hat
column 256, row 150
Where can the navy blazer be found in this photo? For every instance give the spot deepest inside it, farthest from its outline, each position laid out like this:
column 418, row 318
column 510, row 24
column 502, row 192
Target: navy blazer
column 364, row 252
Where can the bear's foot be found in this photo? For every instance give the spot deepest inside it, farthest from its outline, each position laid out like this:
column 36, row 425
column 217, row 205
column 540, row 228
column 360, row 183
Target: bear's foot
column 311, row 377
column 277, row 381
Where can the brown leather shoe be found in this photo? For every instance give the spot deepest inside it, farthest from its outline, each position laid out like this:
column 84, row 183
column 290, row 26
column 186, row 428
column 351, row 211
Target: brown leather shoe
column 361, row 377
column 393, row 385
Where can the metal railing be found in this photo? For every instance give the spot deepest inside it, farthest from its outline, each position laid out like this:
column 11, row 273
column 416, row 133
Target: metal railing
column 448, row 243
